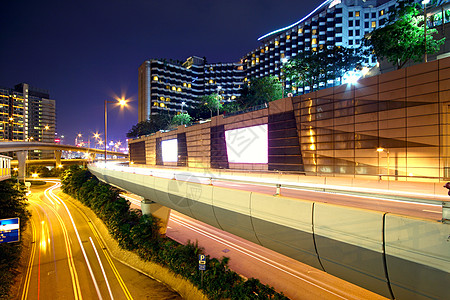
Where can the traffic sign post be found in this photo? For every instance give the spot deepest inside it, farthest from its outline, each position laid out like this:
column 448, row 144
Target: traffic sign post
column 9, row 230
column 202, row 265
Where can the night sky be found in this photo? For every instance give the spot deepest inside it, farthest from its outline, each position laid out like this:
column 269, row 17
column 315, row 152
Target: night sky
column 84, row 52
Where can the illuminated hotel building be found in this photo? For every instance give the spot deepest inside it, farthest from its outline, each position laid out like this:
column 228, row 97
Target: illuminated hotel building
column 165, row 86
column 27, row 114
column 170, row 86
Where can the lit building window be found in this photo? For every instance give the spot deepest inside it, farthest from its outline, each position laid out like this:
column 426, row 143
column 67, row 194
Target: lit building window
column 314, row 49
column 184, row 84
column 174, row 88
column 211, row 81
column 314, row 32
column 189, row 85
column 155, row 78
column 233, row 97
column 356, row 13
column 155, row 104
column 300, row 30
column 288, row 37
column 162, row 105
column 314, row 41
column 257, row 60
column 262, row 51
column 161, row 98
column 168, row 99
column 167, row 87
column 374, row 24
column 178, row 89
column 277, row 43
column 267, row 48
column 382, row 12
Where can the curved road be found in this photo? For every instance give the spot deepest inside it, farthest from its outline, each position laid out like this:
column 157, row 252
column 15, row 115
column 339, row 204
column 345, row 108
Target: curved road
column 69, row 261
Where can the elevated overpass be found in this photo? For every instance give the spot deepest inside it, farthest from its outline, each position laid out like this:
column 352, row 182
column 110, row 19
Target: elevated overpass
column 394, row 255
column 22, row 148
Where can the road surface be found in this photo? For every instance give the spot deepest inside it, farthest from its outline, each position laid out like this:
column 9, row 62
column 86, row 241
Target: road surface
column 69, row 261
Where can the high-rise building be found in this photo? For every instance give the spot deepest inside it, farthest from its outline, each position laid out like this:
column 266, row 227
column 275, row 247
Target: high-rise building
column 27, row 114
column 172, row 86
column 165, row 86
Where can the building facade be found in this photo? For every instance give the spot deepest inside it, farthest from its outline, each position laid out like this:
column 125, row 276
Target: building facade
column 165, row 86
column 170, row 87
column 394, row 126
column 27, row 114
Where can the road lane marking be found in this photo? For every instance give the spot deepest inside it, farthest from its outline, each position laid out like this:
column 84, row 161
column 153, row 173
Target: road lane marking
column 103, row 270
column 432, row 211
column 70, row 261
column 26, row 284
column 81, row 244
column 105, row 252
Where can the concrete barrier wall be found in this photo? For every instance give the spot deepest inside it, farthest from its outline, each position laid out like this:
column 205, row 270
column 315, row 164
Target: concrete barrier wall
column 284, row 224
column 418, row 257
column 350, row 245
column 379, row 251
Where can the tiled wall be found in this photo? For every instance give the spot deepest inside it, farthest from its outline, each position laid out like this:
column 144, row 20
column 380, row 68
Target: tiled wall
column 404, row 111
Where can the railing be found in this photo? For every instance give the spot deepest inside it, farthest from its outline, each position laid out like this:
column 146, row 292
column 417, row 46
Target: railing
column 5, row 167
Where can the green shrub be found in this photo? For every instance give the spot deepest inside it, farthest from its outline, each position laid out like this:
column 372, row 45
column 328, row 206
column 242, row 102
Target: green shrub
column 12, row 205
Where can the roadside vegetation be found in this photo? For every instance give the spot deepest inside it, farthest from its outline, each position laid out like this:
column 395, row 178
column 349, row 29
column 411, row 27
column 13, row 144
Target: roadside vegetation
column 140, row 233
column 12, row 205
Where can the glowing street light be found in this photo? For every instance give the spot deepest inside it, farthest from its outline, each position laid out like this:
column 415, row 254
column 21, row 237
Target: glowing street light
column 379, row 150
column 122, row 102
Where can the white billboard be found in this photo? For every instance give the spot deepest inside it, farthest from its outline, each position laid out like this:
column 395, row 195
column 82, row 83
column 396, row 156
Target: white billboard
column 169, row 150
column 248, row 144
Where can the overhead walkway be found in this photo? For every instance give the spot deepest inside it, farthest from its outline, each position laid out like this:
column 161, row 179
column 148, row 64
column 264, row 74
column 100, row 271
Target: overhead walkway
column 22, row 148
column 394, row 255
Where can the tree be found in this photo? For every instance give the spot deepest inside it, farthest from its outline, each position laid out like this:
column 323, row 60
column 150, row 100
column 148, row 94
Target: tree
column 311, row 68
column 181, row 119
column 403, row 38
column 212, row 102
column 156, row 123
column 260, row 90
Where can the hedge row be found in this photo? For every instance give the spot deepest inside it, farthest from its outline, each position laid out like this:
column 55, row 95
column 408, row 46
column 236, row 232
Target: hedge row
column 140, row 233
column 12, row 205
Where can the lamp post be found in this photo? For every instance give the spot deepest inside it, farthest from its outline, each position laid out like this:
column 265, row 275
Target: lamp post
column 182, row 105
column 380, row 149
column 425, row 2
column 122, row 102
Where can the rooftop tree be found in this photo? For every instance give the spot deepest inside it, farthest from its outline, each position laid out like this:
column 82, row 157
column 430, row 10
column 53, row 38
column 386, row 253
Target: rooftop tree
column 311, row 68
column 403, row 37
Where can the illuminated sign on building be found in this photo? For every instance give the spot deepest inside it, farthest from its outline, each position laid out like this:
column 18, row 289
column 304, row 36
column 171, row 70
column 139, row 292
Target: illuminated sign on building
column 169, row 150
column 247, row 145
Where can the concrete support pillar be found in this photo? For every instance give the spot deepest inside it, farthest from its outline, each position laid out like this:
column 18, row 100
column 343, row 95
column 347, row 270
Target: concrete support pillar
column 150, row 207
column 22, row 160
column 58, row 157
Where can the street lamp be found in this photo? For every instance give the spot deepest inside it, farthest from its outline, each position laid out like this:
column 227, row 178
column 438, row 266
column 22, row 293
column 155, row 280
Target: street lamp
column 380, row 149
column 425, row 2
column 122, row 102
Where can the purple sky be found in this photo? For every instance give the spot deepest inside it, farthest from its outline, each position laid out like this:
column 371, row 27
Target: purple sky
column 84, row 52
